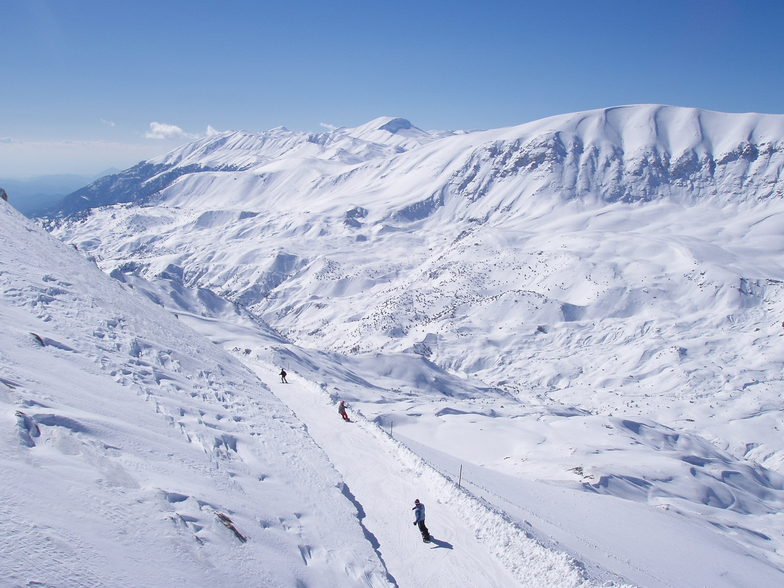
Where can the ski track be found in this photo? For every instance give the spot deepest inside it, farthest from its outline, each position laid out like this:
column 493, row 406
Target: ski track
column 463, row 553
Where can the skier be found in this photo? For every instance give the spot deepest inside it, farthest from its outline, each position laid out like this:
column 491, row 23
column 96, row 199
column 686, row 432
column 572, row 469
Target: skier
column 283, row 376
column 419, row 514
column 342, row 410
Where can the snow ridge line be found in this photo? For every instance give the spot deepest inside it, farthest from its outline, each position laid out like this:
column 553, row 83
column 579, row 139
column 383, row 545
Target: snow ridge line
column 531, row 563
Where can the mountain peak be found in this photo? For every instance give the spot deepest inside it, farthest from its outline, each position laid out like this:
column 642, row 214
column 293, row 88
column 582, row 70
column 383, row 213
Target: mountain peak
column 393, row 130
column 393, row 124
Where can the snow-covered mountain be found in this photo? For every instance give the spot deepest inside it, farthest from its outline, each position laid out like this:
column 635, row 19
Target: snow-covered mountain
column 237, row 151
column 137, row 453
column 593, row 300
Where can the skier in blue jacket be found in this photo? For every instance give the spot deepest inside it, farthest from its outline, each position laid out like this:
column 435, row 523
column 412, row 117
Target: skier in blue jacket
column 419, row 519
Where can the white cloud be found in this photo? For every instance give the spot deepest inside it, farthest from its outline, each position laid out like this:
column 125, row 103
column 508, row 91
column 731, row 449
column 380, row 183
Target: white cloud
column 7, row 140
column 166, row 132
column 211, row 132
column 328, row 126
column 108, row 123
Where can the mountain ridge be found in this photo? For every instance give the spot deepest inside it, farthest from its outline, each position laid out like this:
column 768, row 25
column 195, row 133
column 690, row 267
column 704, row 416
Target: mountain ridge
column 615, row 146
column 617, row 270
column 521, row 227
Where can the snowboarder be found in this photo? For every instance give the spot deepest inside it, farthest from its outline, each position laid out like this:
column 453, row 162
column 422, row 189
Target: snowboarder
column 283, row 376
column 419, row 519
column 342, row 410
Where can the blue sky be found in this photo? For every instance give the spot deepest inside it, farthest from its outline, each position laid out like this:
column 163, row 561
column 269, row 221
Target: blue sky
column 84, row 80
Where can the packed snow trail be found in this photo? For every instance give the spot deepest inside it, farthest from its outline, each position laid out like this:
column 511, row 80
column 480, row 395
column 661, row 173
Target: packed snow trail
column 383, row 481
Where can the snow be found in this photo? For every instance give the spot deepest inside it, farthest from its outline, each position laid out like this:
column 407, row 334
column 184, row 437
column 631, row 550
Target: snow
column 564, row 337
column 125, row 434
column 138, row 453
column 614, row 540
column 392, row 483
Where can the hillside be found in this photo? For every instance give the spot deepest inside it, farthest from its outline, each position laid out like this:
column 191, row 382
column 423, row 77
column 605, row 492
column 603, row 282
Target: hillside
column 498, row 254
column 598, row 293
column 136, row 453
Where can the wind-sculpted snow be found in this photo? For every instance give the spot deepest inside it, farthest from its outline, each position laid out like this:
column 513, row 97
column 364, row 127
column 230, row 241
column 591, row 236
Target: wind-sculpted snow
column 611, row 266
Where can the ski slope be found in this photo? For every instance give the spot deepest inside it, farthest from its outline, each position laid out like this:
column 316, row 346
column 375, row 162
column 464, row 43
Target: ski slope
column 384, row 480
column 442, row 423
column 136, row 452
column 129, row 444
column 514, row 527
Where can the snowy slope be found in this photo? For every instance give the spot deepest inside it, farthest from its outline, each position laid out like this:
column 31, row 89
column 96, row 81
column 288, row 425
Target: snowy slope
column 126, row 437
column 446, row 432
column 593, row 300
column 497, row 251
column 137, row 453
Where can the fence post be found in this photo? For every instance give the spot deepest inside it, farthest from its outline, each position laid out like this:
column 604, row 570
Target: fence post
column 460, row 476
